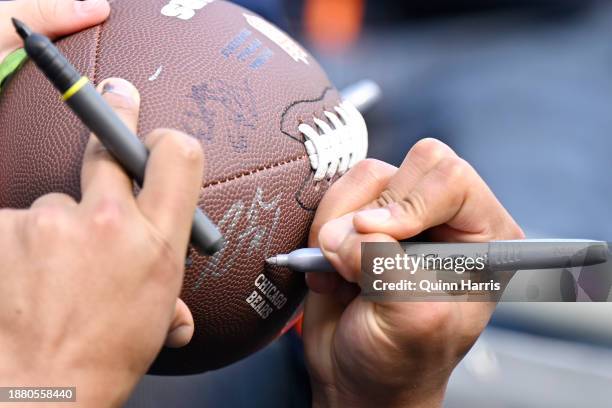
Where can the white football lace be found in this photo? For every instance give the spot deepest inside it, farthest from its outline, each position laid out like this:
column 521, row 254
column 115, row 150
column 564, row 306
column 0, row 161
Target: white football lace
column 333, row 149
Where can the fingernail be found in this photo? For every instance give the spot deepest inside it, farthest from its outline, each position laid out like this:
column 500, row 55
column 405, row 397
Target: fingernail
column 375, row 216
column 180, row 336
column 334, row 233
column 86, row 6
column 121, row 88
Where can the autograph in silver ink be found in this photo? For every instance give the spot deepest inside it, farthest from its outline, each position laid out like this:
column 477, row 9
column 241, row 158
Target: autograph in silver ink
column 255, row 236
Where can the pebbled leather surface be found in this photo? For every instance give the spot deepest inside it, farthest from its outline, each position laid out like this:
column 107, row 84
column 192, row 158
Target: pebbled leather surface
column 195, row 75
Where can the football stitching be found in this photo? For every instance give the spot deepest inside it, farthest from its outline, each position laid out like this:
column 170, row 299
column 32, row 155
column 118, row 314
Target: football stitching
column 239, row 175
column 283, row 163
column 305, row 182
column 335, row 143
column 94, row 75
column 254, row 171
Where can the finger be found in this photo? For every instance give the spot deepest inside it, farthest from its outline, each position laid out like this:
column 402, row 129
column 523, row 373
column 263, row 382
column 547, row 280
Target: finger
column 101, row 175
column 420, row 160
column 172, row 184
column 182, row 326
column 360, row 186
column 54, row 200
column 330, row 236
column 424, row 156
column 347, row 259
column 322, row 312
column 321, row 316
column 55, row 18
column 11, row 225
column 346, row 292
column 451, row 193
column 323, row 283
column 345, row 253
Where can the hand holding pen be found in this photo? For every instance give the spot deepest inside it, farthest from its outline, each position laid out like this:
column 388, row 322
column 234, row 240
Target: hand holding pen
column 500, row 255
column 95, row 113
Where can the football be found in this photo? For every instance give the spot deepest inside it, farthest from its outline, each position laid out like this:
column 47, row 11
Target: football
column 274, row 130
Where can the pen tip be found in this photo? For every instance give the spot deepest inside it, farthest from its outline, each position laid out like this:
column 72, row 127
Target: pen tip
column 22, row 29
column 271, row 261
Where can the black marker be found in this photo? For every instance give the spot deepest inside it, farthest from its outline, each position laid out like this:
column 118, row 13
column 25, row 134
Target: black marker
column 98, row 116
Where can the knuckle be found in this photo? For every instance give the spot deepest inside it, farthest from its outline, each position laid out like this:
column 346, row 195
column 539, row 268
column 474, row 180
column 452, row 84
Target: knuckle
column 156, row 134
column 108, row 215
column 453, row 169
column 413, row 205
column 412, row 208
column 370, row 170
column 388, row 196
column 50, row 222
column 430, row 150
column 187, row 148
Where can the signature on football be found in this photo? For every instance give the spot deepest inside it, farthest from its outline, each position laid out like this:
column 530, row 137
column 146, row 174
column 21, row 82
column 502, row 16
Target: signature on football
column 247, row 228
column 216, row 99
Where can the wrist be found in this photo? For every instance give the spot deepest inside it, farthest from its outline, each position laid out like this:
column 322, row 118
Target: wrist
column 330, row 397
column 95, row 388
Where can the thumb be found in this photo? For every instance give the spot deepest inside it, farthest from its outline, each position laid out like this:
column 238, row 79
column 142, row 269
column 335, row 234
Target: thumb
column 53, row 18
column 182, row 326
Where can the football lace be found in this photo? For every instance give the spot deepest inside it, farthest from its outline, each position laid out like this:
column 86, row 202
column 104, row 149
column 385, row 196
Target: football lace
column 336, row 145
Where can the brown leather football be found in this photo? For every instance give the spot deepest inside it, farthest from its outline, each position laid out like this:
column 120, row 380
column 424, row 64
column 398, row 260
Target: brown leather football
column 274, row 131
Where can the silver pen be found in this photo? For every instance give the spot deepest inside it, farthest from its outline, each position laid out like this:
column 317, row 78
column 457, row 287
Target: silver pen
column 501, row 255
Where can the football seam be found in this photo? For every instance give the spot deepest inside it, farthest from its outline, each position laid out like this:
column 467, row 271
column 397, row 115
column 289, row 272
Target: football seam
column 236, row 176
column 282, row 163
column 254, row 171
column 94, row 74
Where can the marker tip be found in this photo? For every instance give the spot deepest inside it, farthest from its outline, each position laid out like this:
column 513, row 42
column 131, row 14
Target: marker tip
column 22, row 29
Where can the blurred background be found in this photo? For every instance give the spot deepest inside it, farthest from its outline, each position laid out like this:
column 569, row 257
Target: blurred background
column 522, row 89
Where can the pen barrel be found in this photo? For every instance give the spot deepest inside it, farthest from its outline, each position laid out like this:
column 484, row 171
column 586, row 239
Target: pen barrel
column 309, row 260
column 100, row 118
column 53, row 64
column 517, row 255
column 131, row 153
column 205, row 236
column 120, row 141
